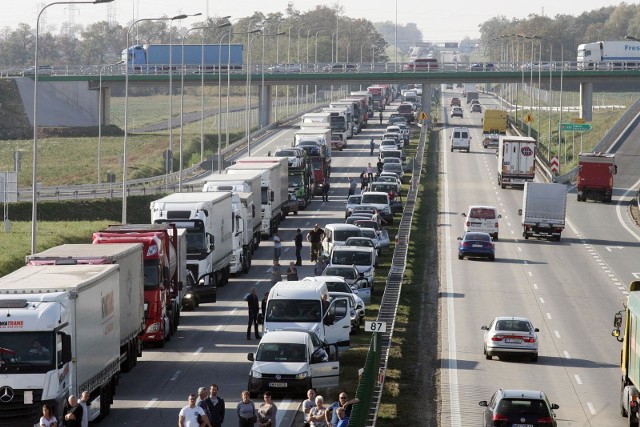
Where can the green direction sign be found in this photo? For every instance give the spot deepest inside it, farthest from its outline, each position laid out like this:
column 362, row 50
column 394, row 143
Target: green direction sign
column 576, row 127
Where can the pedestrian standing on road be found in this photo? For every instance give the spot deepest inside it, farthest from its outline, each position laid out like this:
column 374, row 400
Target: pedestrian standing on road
column 73, row 413
column 352, row 186
column 315, row 237
column 370, row 172
column 292, row 272
column 364, row 181
column 246, row 411
column 201, row 401
column 254, row 309
column 267, row 412
column 47, row 419
column 188, row 416
column 372, row 145
column 277, row 246
column 276, row 272
column 325, row 190
column 317, row 414
column 215, row 404
column 84, row 400
column 380, row 117
column 309, row 403
column 380, row 165
column 298, row 242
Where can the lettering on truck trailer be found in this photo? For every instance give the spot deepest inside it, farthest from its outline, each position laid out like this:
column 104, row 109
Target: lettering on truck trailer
column 526, row 151
column 11, row 324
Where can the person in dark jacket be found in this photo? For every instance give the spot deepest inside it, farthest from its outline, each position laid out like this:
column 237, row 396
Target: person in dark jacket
column 215, row 404
column 298, row 243
column 254, row 309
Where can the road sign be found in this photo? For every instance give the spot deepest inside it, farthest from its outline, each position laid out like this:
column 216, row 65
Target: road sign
column 578, row 120
column 370, row 326
column 528, row 118
column 576, row 127
column 423, row 116
column 555, row 164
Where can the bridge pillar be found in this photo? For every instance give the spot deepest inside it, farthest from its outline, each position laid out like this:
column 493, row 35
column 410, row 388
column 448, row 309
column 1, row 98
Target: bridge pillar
column 586, row 101
column 426, row 100
column 104, row 97
column 264, row 102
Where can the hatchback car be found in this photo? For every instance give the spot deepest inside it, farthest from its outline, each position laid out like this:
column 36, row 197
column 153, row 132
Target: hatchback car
column 457, row 112
column 395, row 168
column 455, row 101
column 476, row 108
column 357, row 217
column 361, row 209
column 388, row 144
column 476, row 245
column 352, row 201
column 510, row 336
column 519, row 408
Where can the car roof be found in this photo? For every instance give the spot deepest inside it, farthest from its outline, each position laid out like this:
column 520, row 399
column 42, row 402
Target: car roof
column 351, row 248
column 512, row 318
column 342, row 226
column 469, row 235
column 279, row 337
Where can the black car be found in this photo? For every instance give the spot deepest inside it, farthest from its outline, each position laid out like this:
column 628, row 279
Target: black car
column 194, row 293
column 519, row 408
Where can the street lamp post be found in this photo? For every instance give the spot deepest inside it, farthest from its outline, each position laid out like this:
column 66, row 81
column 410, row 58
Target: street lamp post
column 100, row 118
column 275, row 112
column 289, row 62
column 34, row 195
column 126, row 115
column 361, row 47
column 248, row 130
column 298, row 43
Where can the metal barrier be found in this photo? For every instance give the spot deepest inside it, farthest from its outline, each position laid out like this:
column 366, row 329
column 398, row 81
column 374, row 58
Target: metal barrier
column 371, row 385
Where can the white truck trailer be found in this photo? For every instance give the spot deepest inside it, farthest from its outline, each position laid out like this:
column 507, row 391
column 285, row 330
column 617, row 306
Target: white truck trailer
column 206, row 218
column 274, row 187
column 319, row 134
column 129, row 257
column 544, row 207
column 609, row 55
column 516, row 160
column 59, row 335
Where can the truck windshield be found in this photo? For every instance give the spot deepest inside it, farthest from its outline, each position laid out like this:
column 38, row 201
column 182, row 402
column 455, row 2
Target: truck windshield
column 295, row 180
column 151, row 277
column 284, row 310
column 281, row 352
column 264, row 194
column 29, row 352
column 338, row 123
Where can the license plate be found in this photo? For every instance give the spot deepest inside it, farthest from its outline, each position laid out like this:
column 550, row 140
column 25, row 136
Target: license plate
column 521, row 425
column 476, row 246
column 513, row 341
column 278, row 385
column 518, row 180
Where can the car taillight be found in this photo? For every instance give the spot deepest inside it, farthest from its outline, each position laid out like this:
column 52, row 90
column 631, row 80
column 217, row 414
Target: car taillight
column 466, row 244
column 499, row 417
column 529, row 339
column 545, row 420
column 496, row 224
column 468, row 223
column 497, row 338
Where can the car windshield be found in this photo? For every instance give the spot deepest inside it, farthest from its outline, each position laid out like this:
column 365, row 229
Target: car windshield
column 304, row 311
column 351, row 258
column 281, row 352
column 359, row 242
column 295, row 180
column 375, row 199
column 286, row 153
column 478, row 237
column 395, row 167
column 338, row 287
column 354, row 200
column 482, row 213
column 343, row 235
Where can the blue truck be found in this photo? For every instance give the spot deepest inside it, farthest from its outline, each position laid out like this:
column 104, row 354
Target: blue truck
column 155, row 58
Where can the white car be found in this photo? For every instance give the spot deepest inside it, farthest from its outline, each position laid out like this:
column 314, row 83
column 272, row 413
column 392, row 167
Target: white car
column 295, row 156
column 339, row 284
column 510, row 336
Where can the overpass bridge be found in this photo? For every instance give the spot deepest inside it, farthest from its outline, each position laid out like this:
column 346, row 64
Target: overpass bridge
column 95, row 88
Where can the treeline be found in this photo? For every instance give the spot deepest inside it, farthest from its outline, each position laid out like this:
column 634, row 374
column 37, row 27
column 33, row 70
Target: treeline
column 101, row 43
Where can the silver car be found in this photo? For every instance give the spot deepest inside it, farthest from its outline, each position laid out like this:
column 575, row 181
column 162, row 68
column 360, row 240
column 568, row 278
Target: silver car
column 510, row 336
column 351, row 202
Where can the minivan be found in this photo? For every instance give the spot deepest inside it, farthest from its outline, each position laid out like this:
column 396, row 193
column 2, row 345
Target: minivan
column 337, row 234
column 362, row 257
column 460, row 139
column 392, row 153
column 482, row 218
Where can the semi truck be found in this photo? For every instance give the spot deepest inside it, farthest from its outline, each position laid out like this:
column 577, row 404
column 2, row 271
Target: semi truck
column 494, row 122
column 318, row 133
column 595, row 176
column 544, row 207
column 320, row 162
column 353, row 111
column 615, row 54
column 319, row 117
column 60, row 335
column 154, row 58
column 629, row 356
column 377, row 97
column 245, row 191
column 128, row 256
column 163, row 268
column 274, row 189
column 341, row 121
column 516, row 160
column 366, row 103
column 208, row 220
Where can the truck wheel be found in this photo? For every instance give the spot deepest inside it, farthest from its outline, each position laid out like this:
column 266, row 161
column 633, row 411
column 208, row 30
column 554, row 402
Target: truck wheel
column 105, row 399
column 525, row 235
column 557, row 238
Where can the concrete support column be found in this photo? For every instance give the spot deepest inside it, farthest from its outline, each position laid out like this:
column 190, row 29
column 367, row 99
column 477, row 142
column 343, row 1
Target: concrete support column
column 265, row 107
column 586, row 101
column 426, row 100
column 105, row 99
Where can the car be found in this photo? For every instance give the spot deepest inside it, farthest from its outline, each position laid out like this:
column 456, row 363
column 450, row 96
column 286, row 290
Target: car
column 197, row 293
column 351, row 275
column 379, row 236
column 390, row 178
column 391, row 189
column 285, row 68
column 455, row 102
column 340, row 68
column 339, row 284
column 457, row 112
column 491, row 141
column 389, row 144
column 357, row 217
column 352, row 201
column 42, row 70
column 460, row 139
column 474, row 102
column 380, row 200
column 362, row 257
column 480, row 66
column 363, row 241
column 190, row 299
column 519, row 408
column 510, row 336
column 395, row 168
column 476, row 108
column 395, row 119
column 336, row 142
column 295, row 156
column 476, row 245
column 406, row 132
column 538, row 66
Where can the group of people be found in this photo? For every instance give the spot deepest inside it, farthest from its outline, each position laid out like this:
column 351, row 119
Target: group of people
column 207, row 409
column 316, row 414
column 76, row 413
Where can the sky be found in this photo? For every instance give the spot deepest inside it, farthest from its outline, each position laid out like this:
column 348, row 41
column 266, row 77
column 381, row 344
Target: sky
column 438, row 20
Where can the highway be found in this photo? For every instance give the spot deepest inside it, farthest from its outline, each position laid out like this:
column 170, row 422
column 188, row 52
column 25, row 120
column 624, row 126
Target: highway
column 570, row 290
column 210, row 345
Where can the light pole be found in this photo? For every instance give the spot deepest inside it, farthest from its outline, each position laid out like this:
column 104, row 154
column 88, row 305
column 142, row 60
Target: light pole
column 100, row 118
column 275, row 112
column 361, row 47
column 248, row 130
column 289, row 62
column 315, row 55
column 126, row 115
column 332, row 55
column 308, row 32
column 171, row 81
column 34, row 195
column 298, row 42
column 348, row 47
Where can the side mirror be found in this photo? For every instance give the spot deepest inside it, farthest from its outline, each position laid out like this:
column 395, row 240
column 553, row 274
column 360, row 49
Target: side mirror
column 519, row 211
column 484, row 328
column 66, row 348
column 617, row 320
column 483, row 403
column 250, row 357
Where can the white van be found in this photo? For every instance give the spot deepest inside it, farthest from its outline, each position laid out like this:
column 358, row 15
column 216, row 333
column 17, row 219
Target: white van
column 292, row 361
column 337, row 234
column 483, row 219
column 362, row 257
column 298, row 304
column 460, row 139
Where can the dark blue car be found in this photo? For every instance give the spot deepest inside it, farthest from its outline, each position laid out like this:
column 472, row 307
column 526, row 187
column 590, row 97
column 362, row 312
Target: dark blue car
column 475, row 244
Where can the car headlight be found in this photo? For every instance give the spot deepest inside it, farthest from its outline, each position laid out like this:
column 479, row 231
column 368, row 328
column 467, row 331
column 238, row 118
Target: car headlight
column 188, row 296
column 360, row 305
column 302, row 375
column 256, row 374
column 153, row 328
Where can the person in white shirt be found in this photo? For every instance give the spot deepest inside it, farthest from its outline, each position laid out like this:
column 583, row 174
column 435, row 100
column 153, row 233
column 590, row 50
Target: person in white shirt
column 84, row 399
column 188, row 416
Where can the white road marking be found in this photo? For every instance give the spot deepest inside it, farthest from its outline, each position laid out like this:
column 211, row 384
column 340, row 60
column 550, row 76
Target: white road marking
column 567, row 355
column 556, row 333
column 175, row 376
column 578, row 380
column 535, row 286
column 592, row 408
column 151, row 403
column 198, row 351
column 549, row 316
column 541, row 300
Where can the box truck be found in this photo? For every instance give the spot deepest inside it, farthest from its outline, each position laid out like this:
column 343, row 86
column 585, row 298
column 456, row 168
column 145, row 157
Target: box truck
column 544, row 207
column 595, row 176
column 516, row 160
